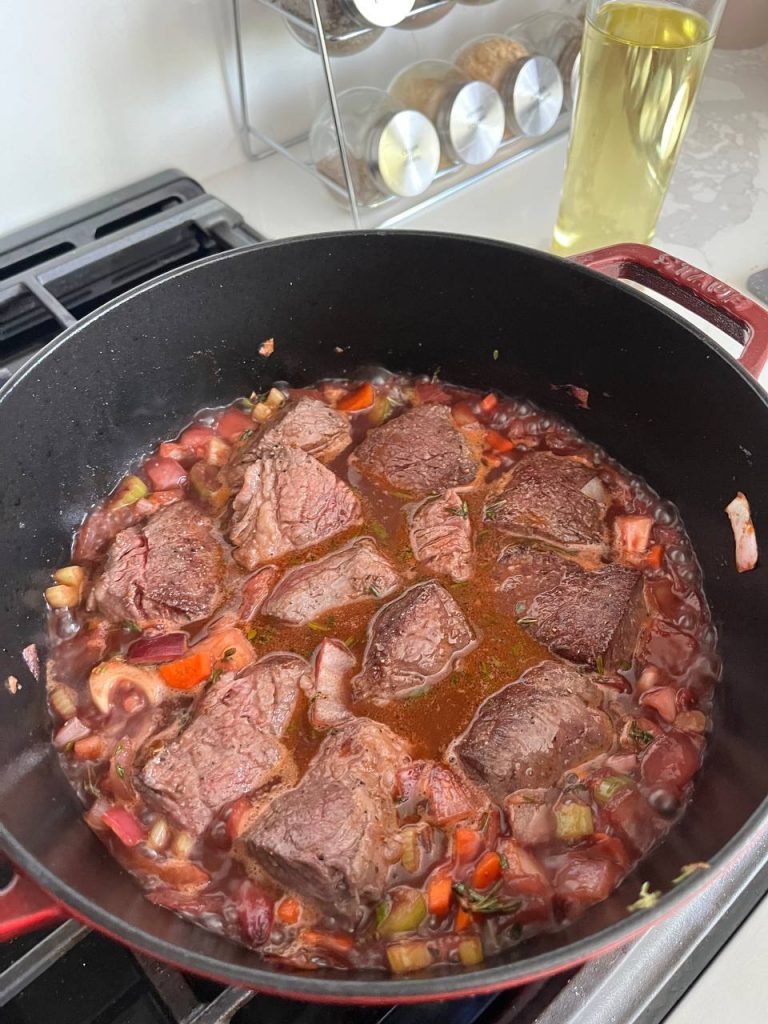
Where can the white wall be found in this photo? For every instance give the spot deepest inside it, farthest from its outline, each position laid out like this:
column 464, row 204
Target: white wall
column 95, row 94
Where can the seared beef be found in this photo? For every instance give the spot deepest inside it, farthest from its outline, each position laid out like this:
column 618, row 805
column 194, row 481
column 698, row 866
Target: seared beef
column 353, row 573
column 582, row 615
column 308, row 424
column 231, row 747
column 541, row 499
column 288, row 501
column 327, row 838
column 420, row 452
column 533, row 730
column 412, row 643
column 327, row 688
column 169, row 570
column 441, row 536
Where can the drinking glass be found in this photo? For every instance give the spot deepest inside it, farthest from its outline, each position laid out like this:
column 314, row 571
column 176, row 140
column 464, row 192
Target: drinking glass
column 641, row 66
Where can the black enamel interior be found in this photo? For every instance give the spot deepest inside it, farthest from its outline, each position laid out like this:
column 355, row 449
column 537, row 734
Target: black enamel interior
column 662, row 400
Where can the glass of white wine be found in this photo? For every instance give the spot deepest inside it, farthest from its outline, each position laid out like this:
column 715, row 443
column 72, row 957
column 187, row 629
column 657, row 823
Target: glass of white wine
column 641, row 65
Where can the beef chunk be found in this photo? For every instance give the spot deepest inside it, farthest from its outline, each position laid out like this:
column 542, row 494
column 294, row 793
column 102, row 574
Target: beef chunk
column 412, row 643
column 288, row 501
column 308, row 424
column 420, row 452
column 169, row 570
column 232, row 746
column 541, row 499
column 327, row 838
column 533, row 730
column 582, row 615
column 355, row 572
column 441, row 536
column 328, row 686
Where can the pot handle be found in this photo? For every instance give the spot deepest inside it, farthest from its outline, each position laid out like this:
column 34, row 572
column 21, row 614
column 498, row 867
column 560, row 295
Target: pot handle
column 24, row 907
column 719, row 304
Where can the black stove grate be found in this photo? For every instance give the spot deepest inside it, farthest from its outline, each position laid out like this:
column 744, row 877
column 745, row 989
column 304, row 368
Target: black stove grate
column 53, row 273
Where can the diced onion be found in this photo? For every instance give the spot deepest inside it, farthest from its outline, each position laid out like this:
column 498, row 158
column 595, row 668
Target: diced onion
column 182, row 844
column 739, row 513
column 217, row 452
column 595, row 489
column 62, row 596
column 153, row 649
column 471, row 950
column 573, row 821
column 72, row 730
column 159, row 834
column 405, row 957
column 62, row 700
column 260, row 412
column 72, row 575
column 410, row 854
column 275, row 398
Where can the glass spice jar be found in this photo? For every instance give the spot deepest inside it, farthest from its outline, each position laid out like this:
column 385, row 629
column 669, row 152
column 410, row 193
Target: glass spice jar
column 529, row 84
column 391, row 150
column 555, row 35
column 349, row 26
column 468, row 115
column 426, row 13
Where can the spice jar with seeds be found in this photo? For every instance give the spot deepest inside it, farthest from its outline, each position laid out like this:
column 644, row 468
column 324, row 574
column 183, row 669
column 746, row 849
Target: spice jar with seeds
column 555, row 35
column 426, row 13
column 391, row 150
column 468, row 115
column 349, row 26
column 529, row 84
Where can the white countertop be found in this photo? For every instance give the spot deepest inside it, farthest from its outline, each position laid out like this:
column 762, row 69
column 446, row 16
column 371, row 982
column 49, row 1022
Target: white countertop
column 715, row 216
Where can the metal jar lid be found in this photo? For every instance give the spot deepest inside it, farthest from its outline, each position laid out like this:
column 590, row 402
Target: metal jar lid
column 471, row 121
column 404, row 153
column 533, row 95
column 383, row 12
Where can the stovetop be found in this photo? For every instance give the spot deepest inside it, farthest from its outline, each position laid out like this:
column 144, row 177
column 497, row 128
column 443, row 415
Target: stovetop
column 51, row 275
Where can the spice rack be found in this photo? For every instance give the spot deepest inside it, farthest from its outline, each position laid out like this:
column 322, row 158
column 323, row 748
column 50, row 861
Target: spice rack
column 327, row 61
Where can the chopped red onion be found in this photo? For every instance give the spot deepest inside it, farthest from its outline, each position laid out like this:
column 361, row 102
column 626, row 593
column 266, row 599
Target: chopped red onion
column 151, row 649
column 72, row 730
column 739, row 513
column 595, row 489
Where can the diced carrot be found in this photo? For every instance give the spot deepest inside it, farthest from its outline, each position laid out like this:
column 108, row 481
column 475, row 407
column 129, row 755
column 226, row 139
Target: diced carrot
column 362, row 398
column 633, row 533
column 439, row 892
column 332, row 941
column 125, row 825
column 489, row 403
column 463, row 920
column 89, row 748
column 498, row 442
column 654, row 557
column 187, row 672
column 288, row 910
column 238, row 816
column 233, row 423
column 467, row 843
column 487, row 870
column 462, row 414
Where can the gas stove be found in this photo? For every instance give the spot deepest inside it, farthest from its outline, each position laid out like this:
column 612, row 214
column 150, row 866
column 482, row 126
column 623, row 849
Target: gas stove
column 51, row 275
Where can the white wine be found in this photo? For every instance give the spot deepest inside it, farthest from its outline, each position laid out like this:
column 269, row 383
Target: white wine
column 640, row 70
